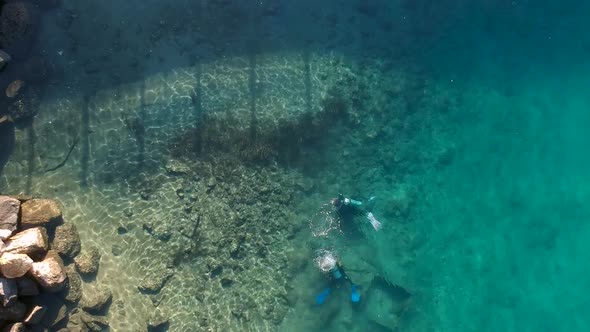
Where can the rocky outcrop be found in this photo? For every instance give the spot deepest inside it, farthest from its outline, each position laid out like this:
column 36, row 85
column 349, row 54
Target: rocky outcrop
column 153, row 282
column 50, row 273
column 83, row 321
column 157, row 322
column 9, row 208
column 39, row 212
column 15, row 265
column 32, row 241
column 88, row 260
column 66, row 241
column 97, row 301
column 72, row 292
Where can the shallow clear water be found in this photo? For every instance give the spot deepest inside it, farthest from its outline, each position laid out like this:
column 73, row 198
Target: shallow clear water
column 211, row 135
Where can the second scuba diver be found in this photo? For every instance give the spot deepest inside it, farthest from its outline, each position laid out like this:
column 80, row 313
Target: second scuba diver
column 328, row 264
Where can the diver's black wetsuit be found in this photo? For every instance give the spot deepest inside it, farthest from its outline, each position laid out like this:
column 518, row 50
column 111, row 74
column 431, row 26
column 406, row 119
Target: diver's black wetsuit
column 347, row 215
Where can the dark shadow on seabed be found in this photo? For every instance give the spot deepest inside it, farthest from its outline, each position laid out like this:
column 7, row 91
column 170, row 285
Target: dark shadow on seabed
column 7, row 141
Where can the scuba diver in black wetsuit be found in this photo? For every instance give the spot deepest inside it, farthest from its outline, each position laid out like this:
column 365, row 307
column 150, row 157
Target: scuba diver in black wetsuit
column 329, row 265
column 348, row 209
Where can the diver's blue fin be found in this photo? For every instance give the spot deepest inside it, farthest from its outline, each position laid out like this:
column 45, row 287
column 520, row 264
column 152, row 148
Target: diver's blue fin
column 321, row 297
column 354, row 294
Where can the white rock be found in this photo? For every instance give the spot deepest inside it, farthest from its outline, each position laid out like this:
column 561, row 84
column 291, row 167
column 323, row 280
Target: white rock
column 9, row 208
column 14, row 265
column 50, row 273
column 31, row 241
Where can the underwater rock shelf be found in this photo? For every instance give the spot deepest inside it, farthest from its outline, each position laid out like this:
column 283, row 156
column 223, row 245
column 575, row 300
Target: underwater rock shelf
column 41, row 268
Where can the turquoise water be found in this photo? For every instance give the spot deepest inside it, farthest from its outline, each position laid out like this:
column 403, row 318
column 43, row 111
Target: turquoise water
column 467, row 120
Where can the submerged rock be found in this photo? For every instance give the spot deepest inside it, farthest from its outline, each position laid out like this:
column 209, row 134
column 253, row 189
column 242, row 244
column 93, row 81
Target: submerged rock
column 66, row 241
column 50, row 272
column 15, row 265
column 39, row 212
column 72, row 292
column 9, row 208
column 158, row 322
column 97, row 301
column 83, row 321
column 13, row 89
column 87, row 262
column 32, row 241
column 154, row 281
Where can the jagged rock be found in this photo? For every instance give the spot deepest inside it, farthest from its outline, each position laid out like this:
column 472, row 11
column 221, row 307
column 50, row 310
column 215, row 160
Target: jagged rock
column 9, row 208
column 39, row 212
column 27, row 287
column 87, row 262
column 8, row 291
column 13, row 313
column 97, row 301
column 50, row 273
column 83, row 321
column 32, row 241
column 66, row 241
column 4, row 59
column 16, row 327
column 154, row 281
column 15, row 265
column 157, row 322
column 72, row 292
column 35, row 315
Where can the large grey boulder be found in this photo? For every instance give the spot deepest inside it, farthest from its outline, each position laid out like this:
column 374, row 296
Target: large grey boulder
column 9, row 208
column 66, row 241
column 50, row 273
column 32, row 241
column 87, row 261
column 15, row 265
column 39, row 212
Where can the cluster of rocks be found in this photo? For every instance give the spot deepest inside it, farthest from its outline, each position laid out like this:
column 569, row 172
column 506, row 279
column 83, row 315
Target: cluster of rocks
column 41, row 268
column 21, row 69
